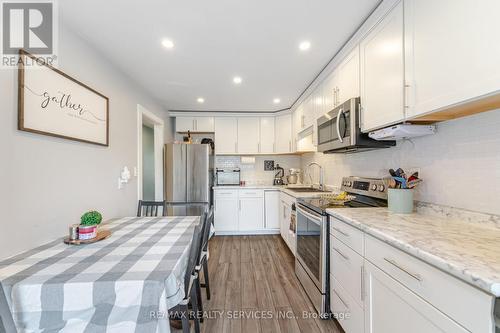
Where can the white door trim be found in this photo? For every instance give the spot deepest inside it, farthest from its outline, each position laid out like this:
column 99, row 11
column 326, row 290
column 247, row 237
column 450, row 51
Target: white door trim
column 158, row 127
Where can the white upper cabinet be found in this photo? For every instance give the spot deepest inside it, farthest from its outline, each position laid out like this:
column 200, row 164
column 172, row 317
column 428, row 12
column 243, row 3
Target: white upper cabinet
column 266, row 145
column 330, row 90
column 248, row 135
column 204, row 124
column 184, row 124
column 283, row 134
column 382, row 72
column 452, row 52
column 348, row 83
column 298, row 119
column 194, row 124
column 226, row 135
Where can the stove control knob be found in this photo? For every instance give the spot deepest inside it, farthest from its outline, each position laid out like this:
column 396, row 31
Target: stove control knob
column 374, row 187
column 381, row 188
column 349, row 184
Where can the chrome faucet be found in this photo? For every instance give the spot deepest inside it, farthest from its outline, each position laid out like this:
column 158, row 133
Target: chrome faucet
column 321, row 182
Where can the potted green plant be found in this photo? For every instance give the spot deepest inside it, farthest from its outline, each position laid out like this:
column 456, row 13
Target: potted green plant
column 88, row 225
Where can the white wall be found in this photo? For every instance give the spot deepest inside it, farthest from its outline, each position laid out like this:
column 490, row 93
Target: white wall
column 460, row 165
column 47, row 183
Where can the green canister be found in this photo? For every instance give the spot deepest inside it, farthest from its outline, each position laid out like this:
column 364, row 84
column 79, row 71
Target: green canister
column 400, row 201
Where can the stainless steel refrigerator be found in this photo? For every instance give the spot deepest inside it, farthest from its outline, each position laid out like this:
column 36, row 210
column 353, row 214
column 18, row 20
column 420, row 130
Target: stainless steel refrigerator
column 189, row 172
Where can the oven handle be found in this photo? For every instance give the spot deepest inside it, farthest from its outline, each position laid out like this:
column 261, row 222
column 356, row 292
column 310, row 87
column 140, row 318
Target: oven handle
column 341, row 111
column 311, row 216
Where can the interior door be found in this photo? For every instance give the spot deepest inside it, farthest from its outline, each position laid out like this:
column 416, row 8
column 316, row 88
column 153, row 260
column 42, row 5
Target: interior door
column 175, row 172
column 197, row 177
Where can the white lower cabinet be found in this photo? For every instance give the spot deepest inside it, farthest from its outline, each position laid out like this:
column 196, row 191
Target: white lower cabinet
column 392, row 308
column 285, row 207
column 377, row 288
column 271, row 209
column 251, row 213
column 246, row 211
column 348, row 312
column 226, row 211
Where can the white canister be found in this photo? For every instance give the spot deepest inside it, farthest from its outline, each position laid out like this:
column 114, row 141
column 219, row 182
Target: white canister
column 400, row 201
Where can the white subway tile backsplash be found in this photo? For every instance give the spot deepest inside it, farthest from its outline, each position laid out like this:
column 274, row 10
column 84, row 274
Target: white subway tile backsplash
column 254, row 174
column 460, row 164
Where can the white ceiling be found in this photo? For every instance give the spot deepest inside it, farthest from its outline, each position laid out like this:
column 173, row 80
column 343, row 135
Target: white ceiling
column 216, row 40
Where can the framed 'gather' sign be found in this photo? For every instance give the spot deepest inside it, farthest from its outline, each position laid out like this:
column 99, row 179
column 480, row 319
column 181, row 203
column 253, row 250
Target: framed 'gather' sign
column 53, row 103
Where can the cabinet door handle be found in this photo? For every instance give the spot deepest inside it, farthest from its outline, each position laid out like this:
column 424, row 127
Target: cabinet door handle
column 340, row 298
column 239, row 205
column 340, row 231
column 407, row 87
column 236, row 147
column 401, row 268
column 259, row 147
column 274, row 147
column 289, row 145
column 341, row 254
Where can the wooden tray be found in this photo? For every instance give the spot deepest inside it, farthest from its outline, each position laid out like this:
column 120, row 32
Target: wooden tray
column 101, row 234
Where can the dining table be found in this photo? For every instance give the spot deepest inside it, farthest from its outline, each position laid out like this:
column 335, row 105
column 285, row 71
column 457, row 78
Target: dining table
column 124, row 283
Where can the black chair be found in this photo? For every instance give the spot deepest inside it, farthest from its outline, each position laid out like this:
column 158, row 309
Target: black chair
column 191, row 285
column 203, row 263
column 150, row 208
column 203, row 260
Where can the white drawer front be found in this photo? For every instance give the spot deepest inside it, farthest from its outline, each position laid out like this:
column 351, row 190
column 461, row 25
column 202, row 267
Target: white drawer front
column 221, row 193
column 349, row 235
column 463, row 303
column 248, row 193
column 348, row 313
column 346, row 266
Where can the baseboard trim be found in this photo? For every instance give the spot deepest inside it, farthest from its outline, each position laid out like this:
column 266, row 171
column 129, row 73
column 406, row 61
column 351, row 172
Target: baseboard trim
column 249, row 232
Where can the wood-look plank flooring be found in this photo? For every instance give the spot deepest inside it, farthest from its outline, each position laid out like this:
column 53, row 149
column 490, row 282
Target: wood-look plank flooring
column 254, row 289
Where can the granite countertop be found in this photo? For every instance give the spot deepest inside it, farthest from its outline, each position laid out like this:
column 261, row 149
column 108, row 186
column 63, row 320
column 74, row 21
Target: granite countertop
column 263, row 187
column 467, row 250
column 283, row 188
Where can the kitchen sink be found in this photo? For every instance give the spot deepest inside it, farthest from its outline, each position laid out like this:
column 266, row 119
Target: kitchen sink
column 306, row 189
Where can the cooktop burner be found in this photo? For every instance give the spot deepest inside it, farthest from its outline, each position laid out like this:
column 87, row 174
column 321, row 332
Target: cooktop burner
column 368, row 192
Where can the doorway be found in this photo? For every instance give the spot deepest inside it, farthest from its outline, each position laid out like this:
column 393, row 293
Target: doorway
column 150, row 141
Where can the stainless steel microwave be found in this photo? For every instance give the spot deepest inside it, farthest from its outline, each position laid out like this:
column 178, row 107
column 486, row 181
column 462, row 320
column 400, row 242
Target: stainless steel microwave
column 339, row 131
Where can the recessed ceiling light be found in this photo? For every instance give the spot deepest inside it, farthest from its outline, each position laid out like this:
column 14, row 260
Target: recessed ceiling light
column 305, row 45
column 200, row 100
column 237, row 80
column 167, row 43
column 276, row 101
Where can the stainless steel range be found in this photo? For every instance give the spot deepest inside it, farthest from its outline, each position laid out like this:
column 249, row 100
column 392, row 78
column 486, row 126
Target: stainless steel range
column 312, row 263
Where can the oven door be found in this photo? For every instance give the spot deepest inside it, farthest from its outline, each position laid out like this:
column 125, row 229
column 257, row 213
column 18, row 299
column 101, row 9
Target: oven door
column 334, row 129
column 312, row 232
